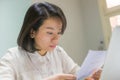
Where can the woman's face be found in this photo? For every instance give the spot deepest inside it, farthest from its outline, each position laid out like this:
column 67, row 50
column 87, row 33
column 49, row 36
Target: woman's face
column 47, row 36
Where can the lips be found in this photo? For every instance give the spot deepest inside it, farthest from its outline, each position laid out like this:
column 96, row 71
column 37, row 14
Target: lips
column 52, row 46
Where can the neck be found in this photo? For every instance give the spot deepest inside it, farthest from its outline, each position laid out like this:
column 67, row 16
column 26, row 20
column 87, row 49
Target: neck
column 42, row 52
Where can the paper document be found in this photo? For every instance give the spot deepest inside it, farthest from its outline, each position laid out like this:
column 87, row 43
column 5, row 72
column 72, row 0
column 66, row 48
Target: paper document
column 94, row 61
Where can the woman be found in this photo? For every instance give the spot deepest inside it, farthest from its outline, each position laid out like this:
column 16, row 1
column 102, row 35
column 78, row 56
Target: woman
column 38, row 56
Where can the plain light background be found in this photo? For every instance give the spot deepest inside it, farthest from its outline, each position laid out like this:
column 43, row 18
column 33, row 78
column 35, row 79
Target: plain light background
column 11, row 17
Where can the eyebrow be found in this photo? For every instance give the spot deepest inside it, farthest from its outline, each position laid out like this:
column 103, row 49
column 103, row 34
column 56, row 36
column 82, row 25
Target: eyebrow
column 51, row 28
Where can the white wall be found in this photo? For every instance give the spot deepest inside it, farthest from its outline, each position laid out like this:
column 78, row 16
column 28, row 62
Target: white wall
column 92, row 24
column 11, row 17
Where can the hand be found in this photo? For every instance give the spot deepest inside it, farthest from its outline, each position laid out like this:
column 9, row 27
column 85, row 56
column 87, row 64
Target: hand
column 62, row 77
column 95, row 76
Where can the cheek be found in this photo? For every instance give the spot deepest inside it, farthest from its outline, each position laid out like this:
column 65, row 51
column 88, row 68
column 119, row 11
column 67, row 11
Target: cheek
column 46, row 40
column 43, row 40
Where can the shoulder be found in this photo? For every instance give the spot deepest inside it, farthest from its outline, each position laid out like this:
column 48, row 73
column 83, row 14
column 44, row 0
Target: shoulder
column 9, row 58
column 60, row 51
column 13, row 49
column 11, row 54
column 59, row 48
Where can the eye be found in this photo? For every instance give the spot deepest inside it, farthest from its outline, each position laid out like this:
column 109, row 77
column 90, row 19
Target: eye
column 59, row 33
column 50, row 33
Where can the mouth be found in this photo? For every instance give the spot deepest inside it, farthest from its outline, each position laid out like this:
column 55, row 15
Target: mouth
column 52, row 46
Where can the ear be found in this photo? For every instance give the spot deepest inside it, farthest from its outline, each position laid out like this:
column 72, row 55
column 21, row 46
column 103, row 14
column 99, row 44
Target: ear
column 32, row 33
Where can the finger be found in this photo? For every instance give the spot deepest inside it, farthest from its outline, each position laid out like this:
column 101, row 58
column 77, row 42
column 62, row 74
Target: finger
column 97, row 72
column 68, row 77
column 97, row 75
column 89, row 78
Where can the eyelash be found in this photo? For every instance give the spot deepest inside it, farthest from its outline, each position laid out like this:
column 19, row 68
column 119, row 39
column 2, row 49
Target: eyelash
column 59, row 33
column 50, row 33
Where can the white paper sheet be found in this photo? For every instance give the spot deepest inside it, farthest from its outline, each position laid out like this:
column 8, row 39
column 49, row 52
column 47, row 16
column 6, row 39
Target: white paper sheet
column 94, row 61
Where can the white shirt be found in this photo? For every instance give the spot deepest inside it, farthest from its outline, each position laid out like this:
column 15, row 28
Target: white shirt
column 18, row 64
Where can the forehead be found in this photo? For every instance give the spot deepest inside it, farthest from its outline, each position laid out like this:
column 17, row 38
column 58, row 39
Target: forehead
column 52, row 23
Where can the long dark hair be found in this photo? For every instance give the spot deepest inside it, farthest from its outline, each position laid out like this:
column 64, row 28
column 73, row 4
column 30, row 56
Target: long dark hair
column 34, row 18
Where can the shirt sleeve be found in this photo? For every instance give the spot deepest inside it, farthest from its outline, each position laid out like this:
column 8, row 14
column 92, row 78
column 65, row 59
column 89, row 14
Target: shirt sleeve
column 6, row 71
column 69, row 66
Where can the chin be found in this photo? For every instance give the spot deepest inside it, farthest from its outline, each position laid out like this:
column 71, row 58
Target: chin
column 51, row 49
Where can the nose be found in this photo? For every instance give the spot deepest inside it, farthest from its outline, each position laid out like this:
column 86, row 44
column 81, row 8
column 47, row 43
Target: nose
column 55, row 39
